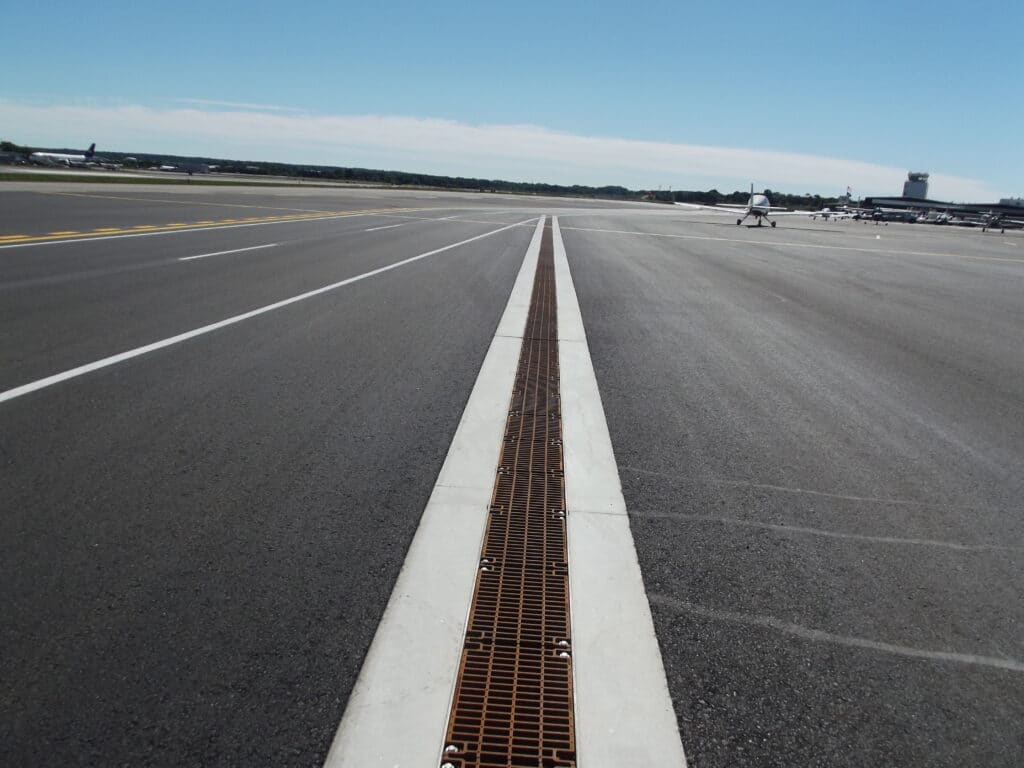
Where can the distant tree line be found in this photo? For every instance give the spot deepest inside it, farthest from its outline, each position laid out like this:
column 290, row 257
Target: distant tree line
column 407, row 179
column 10, row 146
column 714, row 197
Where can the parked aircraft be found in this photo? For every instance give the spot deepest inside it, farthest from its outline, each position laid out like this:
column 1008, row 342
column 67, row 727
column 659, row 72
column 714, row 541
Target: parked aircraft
column 60, row 158
column 1000, row 222
column 828, row 213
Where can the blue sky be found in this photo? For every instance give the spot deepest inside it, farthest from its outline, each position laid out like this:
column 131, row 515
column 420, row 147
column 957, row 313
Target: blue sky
column 803, row 97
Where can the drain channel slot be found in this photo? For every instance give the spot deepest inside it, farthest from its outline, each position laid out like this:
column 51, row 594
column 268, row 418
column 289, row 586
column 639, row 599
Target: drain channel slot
column 513, row 700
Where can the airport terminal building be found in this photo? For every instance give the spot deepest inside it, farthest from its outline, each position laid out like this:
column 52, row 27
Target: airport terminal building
column 915, row 198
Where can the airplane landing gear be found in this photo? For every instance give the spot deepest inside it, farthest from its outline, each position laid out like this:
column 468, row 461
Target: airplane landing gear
column 738, row 222
column 773, row 224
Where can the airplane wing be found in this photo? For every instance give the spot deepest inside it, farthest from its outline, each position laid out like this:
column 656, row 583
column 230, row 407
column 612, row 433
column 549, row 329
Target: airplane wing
column 723, row 208
column 824, row 214
column 734, row 207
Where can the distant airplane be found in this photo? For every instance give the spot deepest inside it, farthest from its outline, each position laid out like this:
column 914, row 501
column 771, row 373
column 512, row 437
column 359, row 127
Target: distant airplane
column 60, row 158
column 760, row 207
column 828, row 213
column 999, row 221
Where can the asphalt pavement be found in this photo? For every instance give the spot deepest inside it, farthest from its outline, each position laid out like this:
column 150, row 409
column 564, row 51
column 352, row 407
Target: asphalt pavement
column 818, row 429
column 198, row 543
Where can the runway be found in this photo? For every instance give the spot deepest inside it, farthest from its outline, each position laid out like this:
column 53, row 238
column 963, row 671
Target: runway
column 818, row 430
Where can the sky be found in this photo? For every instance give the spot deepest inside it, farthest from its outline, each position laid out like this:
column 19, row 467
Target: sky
column 799, row 97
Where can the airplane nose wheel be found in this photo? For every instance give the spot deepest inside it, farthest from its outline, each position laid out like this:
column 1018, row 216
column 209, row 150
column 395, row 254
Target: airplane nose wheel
column 738, row 222
column 773, row 224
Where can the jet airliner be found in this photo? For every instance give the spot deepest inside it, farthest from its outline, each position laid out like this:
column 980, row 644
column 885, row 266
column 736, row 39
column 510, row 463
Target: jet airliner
column 61, row 158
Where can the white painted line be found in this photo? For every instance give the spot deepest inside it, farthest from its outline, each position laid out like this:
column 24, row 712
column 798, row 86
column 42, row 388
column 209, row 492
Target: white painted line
column 207, row 228
column 623, row 711
column 389, row 226
column 225, row 253
column 81, row 370
column 793, row 244
column 398, row 709
column 513, row 321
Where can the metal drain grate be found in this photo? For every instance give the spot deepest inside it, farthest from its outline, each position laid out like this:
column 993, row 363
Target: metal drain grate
column 513, row 702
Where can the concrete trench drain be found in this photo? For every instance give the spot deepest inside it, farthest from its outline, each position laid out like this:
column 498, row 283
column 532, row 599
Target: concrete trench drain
column 513, row 701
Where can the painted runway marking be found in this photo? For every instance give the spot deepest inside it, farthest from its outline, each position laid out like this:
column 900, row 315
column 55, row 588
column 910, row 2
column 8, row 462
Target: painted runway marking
column 146, row 230
column 81, row 370
column 458, row 220
column 225, row 253
column 817, row 635
column 619, row 676
column 399, row 705
column 792, row 244
column 389, row 226
column 179, row 202
column 783, row 528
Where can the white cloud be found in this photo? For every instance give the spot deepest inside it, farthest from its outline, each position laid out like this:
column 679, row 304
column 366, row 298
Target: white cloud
column 237, row 105
column 428, row 145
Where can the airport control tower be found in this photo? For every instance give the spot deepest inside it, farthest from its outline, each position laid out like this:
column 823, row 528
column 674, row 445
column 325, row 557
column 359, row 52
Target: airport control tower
column 916, row 185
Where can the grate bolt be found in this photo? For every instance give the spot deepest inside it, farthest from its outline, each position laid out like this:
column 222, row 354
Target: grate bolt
column 451, row 748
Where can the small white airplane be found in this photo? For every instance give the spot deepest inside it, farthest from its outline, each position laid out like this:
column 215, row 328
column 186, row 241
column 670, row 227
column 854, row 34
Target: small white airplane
column 60, row 158
column 828, row 213
column 760, row 207
column 999, row 221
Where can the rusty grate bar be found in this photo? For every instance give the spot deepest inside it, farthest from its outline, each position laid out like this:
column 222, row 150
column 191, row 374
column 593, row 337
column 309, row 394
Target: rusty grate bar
column 513, row 702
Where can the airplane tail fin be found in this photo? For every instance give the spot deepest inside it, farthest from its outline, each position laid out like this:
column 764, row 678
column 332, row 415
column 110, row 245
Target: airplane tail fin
column 91, row 150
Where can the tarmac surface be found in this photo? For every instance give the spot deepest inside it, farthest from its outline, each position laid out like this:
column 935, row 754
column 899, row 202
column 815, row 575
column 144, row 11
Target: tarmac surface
column 819, row 431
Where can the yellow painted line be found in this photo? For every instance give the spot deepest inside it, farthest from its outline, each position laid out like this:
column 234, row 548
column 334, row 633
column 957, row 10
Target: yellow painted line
column 208, row 224
column 173, row 202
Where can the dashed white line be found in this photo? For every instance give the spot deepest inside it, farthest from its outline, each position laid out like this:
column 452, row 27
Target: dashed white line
column 389, row 226
column 205, row 228
column 81, row 370
column 225, row 253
